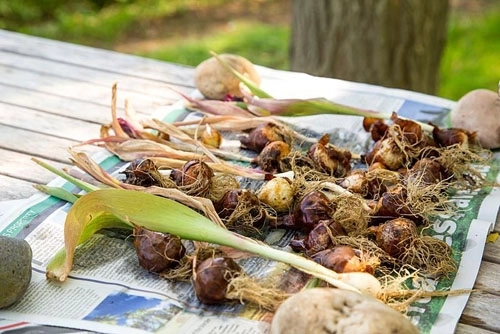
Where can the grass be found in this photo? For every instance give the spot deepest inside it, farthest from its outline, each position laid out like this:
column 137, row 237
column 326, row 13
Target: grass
column 472, row 55
column 262, row 43
column 183, row 31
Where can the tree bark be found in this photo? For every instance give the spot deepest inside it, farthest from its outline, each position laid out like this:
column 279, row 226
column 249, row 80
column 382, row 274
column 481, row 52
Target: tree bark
column 394, row 43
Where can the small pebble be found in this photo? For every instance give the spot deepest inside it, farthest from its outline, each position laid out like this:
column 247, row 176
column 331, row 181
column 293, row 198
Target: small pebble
column 15, row 269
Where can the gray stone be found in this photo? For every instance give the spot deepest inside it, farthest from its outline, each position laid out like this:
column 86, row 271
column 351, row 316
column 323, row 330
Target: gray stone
column 15, row 269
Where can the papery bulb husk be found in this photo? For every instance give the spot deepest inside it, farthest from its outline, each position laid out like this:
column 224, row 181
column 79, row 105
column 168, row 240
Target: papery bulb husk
column 212, row 277
column 194, row 178
column 262, row 135
column 269, row 159
column 144, row 172
column 343, row 259
column 376, row 127
column 310, row 210
column 386, row 152
column 410, row 130
column 392, row 204
column 455, row 136
column 380, row 172
column 319, row 238
column 356, row 182
column 428, row 171
column 211, row 137
column 373, row 255
column 380, row 180
column 401, row 145
column 297, row 161
column 375, row 166
column 306, row 177
column 329, row 158
column 228, row 203
column 220, row 185
column 241, row 211
column 157, row 252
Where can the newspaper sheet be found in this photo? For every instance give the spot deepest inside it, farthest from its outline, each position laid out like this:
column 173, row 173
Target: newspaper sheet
column 108, row 292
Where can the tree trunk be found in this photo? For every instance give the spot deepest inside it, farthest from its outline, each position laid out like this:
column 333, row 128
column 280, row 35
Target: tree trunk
column 394, row 43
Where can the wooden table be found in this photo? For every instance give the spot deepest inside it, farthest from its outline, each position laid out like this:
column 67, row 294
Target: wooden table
column 54, row 95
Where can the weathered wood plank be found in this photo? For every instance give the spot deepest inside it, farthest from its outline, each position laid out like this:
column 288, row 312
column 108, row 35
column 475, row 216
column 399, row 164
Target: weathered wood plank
column 49, row 124
column 53, row 104
column 492, row 252
column 37, row 144
column 14, row 188
column 20, row 166
column 487, row 278
column 100, row 78
column 467, row 329
column 108, row 61
column 482, row 311
column 77, row 90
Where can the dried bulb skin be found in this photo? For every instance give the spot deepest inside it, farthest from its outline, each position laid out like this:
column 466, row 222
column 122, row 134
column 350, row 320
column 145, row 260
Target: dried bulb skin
column 312, row 208
column 375, row 165
column 212, row 278
column 387, row 153
column 320, row 237
column 156, row 251
column 211, row 137
column 453, row 136
column 411, row 130
column 355, row 182
column 228, row 203
column 262, row 135
column 329, row 158
column 270, row 157
column 376, row 127
column 342, row 259
column 378, row 181
column 393, row 204
column 195, row 178
column 395, row 236
column 142, row 172
column 244, row 199
column 427, row 171
column 191, row 172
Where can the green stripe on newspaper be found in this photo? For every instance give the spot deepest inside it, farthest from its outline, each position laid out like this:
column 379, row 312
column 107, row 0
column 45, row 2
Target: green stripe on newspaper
column 453, row 229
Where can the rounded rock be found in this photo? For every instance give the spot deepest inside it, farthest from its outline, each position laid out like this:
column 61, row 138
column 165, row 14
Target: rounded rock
column 215, row 82
column 15, row 269
column 479, row 111
column 327, row 310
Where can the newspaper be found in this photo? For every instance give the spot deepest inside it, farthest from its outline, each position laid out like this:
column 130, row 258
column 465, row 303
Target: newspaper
column 107, row 291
